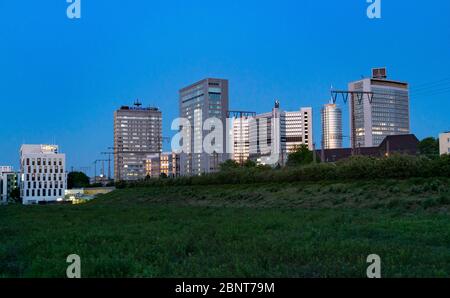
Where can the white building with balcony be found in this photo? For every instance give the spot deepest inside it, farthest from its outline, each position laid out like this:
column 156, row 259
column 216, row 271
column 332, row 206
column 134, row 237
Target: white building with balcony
column 43, row 174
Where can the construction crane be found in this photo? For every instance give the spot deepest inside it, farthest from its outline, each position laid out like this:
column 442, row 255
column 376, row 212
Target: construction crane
column 95, row 167
column 109, row 162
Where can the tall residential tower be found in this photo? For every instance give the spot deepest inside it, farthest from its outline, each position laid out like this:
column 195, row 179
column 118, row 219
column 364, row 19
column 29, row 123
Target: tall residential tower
column 137, row 135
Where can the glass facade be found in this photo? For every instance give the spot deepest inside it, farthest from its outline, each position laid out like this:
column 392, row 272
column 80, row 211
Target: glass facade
column 387, row 113
column 198, row 102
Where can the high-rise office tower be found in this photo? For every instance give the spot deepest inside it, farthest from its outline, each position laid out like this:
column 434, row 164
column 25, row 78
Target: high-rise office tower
column 43, row 174
column 198, row 102
column 331, row 127
column 387, row 114
column 241, row 135
column 281, row 133
column 296, row 129
column 137, row 134
column 264, row 137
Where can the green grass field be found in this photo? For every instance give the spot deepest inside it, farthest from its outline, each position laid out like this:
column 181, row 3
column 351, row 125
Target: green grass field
column 279, row 230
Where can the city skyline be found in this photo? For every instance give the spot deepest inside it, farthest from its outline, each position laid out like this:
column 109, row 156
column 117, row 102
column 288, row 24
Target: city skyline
column 80, row 71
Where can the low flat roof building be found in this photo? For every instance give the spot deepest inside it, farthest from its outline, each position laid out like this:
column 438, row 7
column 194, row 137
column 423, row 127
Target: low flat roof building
column 396, row 144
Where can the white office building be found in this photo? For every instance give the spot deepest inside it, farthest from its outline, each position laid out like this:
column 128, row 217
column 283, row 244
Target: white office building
column 280, row 132
column 386, row 114
column 241, row 138
column 296, row 129
column 43, row 174
column 444, row 143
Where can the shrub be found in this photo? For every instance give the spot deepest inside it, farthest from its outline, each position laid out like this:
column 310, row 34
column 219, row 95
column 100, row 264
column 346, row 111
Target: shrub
column 354, row 168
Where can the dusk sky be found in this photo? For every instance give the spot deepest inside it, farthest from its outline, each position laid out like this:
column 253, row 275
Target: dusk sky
column 62, row 79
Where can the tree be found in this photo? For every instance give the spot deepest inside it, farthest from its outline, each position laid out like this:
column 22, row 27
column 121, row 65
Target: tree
column 429, row 146
column 15, row 195
column 77, row 180
column 301, row 156
column 249, row 164
column 229, row 165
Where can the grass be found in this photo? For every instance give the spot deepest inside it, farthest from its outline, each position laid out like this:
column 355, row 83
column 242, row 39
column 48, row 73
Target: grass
column 272, row 230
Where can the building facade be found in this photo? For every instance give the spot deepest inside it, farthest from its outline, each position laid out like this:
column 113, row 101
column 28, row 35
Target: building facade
column 331, row 127
column 278, row 133
column 166, row 163
column 386, row 114
column 444, row 143
column 296, row 129
column 9, row 181
column 43, row 174
column 137, row 134
column 241, row 135
column 206, row 99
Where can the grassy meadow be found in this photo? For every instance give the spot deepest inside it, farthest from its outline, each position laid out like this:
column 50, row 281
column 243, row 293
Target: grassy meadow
column 297, row 229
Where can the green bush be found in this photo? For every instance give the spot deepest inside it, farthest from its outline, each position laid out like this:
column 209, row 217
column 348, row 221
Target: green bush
column 354, row 168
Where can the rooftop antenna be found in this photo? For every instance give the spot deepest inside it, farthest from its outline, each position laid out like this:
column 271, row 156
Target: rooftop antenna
column 277, row 104
column 137, row 103
column 331, row 97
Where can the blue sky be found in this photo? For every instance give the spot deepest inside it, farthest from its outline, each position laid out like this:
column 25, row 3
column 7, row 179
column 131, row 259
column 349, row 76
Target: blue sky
column 61, row 79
